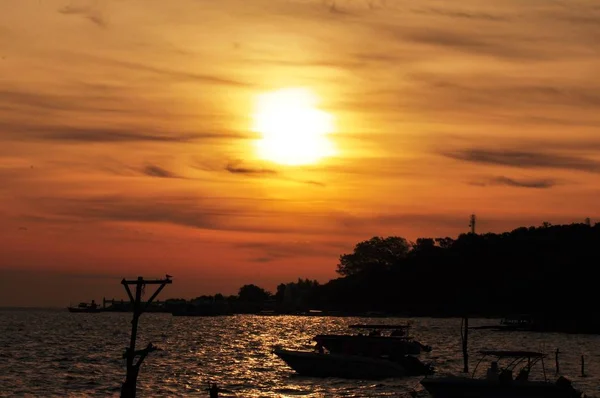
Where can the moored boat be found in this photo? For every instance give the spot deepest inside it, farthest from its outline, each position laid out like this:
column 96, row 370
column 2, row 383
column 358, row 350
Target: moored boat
column 396, row 343
column 515, row 323
column 499, row 382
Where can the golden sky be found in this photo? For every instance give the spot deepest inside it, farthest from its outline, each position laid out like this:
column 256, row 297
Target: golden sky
column 127, row 147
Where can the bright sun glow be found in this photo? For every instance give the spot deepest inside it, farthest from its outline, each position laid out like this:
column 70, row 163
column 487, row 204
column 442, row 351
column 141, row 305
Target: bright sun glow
column 294, row 131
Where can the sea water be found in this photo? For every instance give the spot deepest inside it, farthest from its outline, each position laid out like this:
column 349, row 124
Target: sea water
column 57, row 353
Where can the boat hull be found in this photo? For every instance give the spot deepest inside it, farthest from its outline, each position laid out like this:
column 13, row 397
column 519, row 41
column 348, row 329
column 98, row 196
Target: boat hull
column 85, row 310
column 458, row 387
column 342, row 366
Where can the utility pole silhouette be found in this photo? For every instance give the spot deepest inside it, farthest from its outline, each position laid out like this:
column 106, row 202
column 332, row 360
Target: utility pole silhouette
column 128, row 390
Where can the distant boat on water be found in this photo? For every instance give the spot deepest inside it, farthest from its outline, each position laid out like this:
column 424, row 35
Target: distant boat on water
column 86, row 307
column 549, row 323
column 514, row 323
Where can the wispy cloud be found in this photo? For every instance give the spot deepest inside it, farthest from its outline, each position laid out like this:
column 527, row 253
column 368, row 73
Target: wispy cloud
column 524, row 159
column 178, row 211
column 313, row 182
column 512, row 182
column 22, row 131
column 156, row 171
column 168, row 72
column 272, row 251
column 62, row 274
column 474, row 44
column 12, row 99
column 400, row 221
column 264, row 259
column 88, row 12
column 460, row 14
column 115, row 135
column 236, row 169
column 361, row 61
column 504, row 92
column 187, row 211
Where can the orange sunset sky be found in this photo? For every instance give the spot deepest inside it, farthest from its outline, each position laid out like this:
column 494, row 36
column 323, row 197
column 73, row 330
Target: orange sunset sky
column 254, row 141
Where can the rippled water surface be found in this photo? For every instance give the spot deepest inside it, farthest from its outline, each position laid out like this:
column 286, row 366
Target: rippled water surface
column 45, row 353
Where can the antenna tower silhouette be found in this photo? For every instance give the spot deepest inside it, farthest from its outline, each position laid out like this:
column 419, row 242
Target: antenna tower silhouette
column 472, row 222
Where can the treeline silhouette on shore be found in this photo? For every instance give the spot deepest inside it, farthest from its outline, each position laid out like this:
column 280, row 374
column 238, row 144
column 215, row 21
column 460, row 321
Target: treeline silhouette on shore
column 546, row 271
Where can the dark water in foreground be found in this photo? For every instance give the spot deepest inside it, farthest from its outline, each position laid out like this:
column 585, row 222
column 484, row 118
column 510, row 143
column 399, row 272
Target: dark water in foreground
column 50, row 353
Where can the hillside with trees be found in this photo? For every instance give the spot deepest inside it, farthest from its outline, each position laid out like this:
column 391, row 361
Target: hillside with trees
column 548, row 271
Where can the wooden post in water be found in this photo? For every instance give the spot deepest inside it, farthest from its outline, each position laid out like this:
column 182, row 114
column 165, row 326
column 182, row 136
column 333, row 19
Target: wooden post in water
column 213, row 390
column 465, row 344
column 556, row 361
column 583, row 366
column 128, row 390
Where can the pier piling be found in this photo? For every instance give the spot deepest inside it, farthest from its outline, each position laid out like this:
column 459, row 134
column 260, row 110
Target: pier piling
column 465, row 344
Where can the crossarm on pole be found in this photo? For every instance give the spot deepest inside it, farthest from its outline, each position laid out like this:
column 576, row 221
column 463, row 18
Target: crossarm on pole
column 156, row 293
column 126, row 284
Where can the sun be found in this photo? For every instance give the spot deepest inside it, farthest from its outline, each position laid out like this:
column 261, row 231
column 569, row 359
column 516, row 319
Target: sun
column 294, row 131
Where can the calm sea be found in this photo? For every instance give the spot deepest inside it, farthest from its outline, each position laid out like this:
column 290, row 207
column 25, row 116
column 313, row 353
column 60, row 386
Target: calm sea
column 55, row 353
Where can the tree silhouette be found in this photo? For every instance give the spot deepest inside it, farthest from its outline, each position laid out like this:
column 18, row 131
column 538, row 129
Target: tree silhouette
column 376, row 253
column 253, row 294
column 546, row 271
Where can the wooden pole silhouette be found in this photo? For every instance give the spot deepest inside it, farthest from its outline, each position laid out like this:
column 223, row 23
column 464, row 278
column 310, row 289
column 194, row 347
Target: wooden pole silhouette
column 128, row 390
column 465, row 344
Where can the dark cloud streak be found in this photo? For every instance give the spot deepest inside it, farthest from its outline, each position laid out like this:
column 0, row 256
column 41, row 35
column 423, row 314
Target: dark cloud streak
column 105, row 135
column 460, row 14
column 536, row 184
column 291, row 249
column 474, row 44
column 249, row 171
column 156, row 171
column 234, row 169
column 193, row 212
column 524, row 159
column 174, row 74
column 112, row 135
column 85, row 11
column 52, row 102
